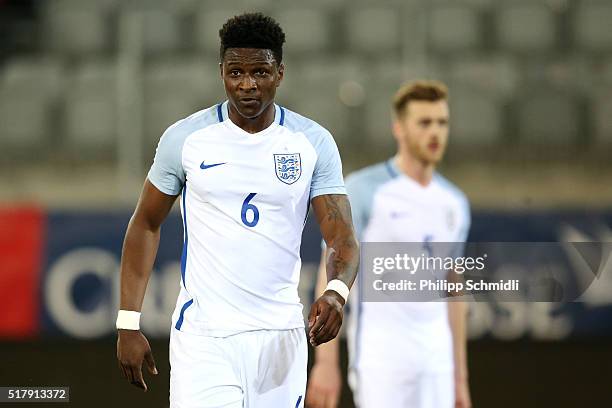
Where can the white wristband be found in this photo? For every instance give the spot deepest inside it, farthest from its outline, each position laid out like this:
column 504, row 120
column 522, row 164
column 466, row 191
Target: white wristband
column 128, row 320
column 339, row 287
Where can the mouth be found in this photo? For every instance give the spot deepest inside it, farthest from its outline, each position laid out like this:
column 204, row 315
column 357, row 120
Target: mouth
column 248, row 101
column 433, row 146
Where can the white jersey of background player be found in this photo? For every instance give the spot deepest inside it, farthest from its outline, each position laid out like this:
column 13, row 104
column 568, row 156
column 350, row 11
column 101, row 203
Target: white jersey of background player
column 404, row 354
column 246, row 171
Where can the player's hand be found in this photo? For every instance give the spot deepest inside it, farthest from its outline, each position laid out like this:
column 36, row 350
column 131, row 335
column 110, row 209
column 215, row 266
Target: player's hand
column 462, row 394
column 324, row 386
column 132, row 350
column 325, row 318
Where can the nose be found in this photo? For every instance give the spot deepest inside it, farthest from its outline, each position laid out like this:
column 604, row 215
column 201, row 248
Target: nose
column 247, row 83
column 435, row 131
column 434, row 136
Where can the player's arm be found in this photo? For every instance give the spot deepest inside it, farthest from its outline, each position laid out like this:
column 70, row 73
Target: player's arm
column 457, row 314
column 325, row 378
column 333, row 213
column 139, row 251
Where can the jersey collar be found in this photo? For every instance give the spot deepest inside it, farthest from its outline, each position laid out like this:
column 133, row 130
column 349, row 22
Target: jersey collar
column 392, row 168
column 394, row 171
column 223, row 114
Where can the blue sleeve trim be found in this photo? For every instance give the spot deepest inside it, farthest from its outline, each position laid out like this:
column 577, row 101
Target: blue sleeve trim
column 186, row 240
column 282, row 116
column 179, row 322
column 219, row 113
column 390, row 168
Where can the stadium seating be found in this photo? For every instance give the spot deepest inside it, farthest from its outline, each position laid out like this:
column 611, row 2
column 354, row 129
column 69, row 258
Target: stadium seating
column 161, row 26
column 307, row 30
column 548, row 117
column 477, row 122
column 526, row 27
column 29, row 90
column 175, row 88
column 316, row 87
column 592, row 26
column 24, row 121
column 454, row 29
column 76, row 28
column 496, row 74
column 206, row 28
column 373, row 30
column 383, row 80
column 344, row 61
column 90, row 108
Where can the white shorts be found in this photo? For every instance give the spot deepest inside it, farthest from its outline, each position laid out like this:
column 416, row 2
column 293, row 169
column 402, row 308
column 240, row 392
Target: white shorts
column 380, row 387
column 256, row 369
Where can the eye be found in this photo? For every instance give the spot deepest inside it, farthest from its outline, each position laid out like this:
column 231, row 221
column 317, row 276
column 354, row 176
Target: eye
column 261, row 72
column 234, row 72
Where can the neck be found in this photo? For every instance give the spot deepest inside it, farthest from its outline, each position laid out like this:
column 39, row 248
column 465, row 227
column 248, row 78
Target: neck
column 418, row 170
column 252, row 125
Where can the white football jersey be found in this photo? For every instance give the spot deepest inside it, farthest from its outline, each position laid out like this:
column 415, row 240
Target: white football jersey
column 389, row 206
column 244, row 202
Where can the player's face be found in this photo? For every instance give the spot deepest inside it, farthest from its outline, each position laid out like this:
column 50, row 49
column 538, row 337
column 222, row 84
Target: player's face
column 423, row 130
column 250, row 77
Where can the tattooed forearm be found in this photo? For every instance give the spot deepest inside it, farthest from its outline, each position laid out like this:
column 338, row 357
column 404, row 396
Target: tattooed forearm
column 333, row 212
column 334, row 215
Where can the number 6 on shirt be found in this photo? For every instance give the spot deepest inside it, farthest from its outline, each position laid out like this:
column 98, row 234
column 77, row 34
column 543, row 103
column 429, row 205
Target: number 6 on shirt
column 246, row 207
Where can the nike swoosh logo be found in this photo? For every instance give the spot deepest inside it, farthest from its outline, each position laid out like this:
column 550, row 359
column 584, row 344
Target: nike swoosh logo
column 208, row 166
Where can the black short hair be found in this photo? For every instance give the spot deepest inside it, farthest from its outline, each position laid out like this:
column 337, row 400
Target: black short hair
column 252, row 30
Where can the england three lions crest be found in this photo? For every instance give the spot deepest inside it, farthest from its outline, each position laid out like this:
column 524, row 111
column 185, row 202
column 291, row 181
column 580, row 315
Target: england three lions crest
column 288, row 167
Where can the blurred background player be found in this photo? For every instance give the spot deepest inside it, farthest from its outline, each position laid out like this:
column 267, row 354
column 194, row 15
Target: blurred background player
column 247, row 171
column 404, row 354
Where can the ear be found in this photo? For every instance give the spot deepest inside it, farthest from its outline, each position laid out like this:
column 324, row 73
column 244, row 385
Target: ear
column 221, row 69
column 397, row 130
column 281, row 74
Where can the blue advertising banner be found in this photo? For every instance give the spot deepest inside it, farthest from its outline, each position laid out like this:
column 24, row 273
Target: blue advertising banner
column 79, row 291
